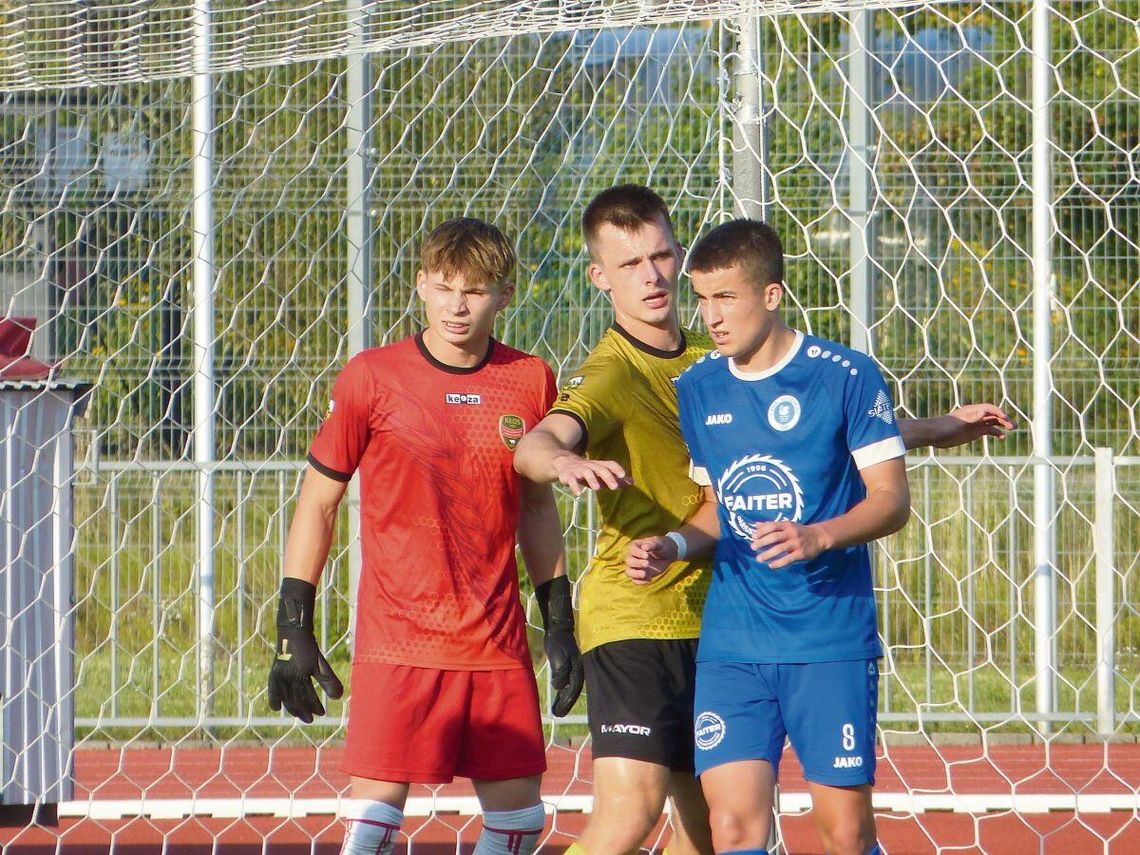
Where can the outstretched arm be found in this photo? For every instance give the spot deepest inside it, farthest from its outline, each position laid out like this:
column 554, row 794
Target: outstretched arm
column 959, row 426
column 547, row 453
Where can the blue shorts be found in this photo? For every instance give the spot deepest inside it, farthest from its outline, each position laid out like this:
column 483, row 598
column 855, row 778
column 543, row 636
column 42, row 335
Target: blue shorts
column 827, row 709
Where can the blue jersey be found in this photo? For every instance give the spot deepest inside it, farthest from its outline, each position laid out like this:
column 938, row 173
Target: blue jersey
column 788, row 444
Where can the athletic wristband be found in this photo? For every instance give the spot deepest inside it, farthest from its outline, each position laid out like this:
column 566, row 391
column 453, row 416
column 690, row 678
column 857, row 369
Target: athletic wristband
column 682, row 544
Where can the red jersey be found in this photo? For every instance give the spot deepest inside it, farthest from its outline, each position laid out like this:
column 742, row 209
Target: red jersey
column 439, row 500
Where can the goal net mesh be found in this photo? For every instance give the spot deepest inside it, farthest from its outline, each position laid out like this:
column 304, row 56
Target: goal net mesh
column 330, row 117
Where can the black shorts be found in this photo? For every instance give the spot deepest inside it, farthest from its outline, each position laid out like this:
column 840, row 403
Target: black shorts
column 639, row 700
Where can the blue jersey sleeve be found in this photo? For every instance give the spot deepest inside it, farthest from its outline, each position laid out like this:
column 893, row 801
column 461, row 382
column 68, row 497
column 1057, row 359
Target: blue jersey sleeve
column 872, row 432
column 698, row 471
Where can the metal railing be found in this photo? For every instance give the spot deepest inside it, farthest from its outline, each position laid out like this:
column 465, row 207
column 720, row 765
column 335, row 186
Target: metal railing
column 954, row 593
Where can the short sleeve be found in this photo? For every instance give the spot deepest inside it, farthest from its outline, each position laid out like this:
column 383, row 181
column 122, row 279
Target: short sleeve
column 343, row 436
column 549, row 390
column 872, row 432
column 596, row 396
column 698, row 470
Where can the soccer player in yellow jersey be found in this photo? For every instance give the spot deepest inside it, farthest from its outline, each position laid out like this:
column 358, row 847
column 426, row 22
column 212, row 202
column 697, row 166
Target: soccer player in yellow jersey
column 614, row 429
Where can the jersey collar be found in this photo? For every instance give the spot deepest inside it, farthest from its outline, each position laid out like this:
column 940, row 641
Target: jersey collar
column 451, row 369
column 775, row 369
column 645, row 348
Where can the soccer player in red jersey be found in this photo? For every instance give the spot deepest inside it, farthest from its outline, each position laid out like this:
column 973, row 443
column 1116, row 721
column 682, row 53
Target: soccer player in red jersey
column 442, row 683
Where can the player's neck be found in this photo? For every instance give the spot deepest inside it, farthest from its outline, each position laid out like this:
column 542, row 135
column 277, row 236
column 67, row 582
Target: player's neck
column 665, row 336
column 768, row 352
column 468, row 355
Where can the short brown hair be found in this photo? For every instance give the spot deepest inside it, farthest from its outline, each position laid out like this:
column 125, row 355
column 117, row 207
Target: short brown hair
column 626, row 207
column 753, row 245
column 472, row 248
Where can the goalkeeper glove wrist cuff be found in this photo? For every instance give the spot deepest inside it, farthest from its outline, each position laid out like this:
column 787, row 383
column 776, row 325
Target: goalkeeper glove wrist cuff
column 296, row 604
column 555, row 602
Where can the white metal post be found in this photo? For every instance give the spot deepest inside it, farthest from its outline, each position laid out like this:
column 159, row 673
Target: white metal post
column 1044, row 544
column 859, row 159
column 748, row 152
column 358, row 239
column 750, row 186
column 202, row 430
column 1105, row 593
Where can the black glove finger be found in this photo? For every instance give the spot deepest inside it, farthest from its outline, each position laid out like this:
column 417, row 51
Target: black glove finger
column 293, row 697
column 274, row 693
column 328, row 679
column 559, row 666
column 293, row 706
column 307, row 698
column 565, row 698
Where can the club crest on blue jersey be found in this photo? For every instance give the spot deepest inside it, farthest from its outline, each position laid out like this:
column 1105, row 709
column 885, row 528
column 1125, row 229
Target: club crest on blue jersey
column 784, row 413
column 759, row 488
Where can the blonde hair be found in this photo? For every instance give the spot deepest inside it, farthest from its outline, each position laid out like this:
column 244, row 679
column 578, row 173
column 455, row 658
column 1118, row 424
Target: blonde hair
column 472, row 248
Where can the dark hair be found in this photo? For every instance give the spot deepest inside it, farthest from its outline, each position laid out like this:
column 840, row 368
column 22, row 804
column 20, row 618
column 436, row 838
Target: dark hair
column 753, row 245
column 472, row 248
column 627, row 207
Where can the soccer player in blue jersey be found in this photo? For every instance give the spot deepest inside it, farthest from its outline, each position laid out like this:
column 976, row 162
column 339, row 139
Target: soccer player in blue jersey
column 797, row 437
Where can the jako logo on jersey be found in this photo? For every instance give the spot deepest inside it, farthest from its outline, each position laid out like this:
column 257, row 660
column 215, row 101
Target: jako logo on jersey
column 847, row 763
column 575, row 382
column 708, row 730
column 784, row 414
column 881, row 409
column 719, row 419
column 631, row 729
column 460, row 398
column 511, row 429
column 759, row 488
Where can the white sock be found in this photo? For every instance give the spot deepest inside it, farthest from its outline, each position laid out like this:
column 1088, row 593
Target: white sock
column 370, row 827
column 511, row 832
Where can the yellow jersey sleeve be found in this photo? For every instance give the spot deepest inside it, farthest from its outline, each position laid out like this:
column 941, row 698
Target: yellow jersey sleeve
column 591, row 396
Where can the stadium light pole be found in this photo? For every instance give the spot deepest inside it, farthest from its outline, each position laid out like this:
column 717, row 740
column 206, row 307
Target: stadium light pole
column 202, row 429
column 358, row 238
column 1044, row 536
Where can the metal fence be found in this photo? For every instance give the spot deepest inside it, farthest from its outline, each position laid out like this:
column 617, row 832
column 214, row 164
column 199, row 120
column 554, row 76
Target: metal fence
column 954, row 594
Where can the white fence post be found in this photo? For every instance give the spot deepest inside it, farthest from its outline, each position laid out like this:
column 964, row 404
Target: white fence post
column 1105, row 592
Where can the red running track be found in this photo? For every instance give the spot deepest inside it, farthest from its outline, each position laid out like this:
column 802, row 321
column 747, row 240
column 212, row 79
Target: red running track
column 311, row 773
column 167, row 773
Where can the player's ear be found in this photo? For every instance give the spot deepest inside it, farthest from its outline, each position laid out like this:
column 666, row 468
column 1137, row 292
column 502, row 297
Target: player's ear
column 773, row 294
column 598, row 277
column 421, row 282
column 506, row 291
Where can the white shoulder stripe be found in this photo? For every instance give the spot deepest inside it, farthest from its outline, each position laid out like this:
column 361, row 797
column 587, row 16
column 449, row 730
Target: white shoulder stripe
column 878, row 452
column 699, row 475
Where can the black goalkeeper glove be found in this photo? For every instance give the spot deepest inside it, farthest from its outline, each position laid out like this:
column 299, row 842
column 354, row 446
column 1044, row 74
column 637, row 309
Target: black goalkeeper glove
column 555, row 602
column 298, row 658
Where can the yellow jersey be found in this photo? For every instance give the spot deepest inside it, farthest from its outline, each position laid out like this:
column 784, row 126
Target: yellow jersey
column 625, row 399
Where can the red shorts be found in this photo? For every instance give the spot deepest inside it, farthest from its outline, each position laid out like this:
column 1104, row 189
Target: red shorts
column 425, row 726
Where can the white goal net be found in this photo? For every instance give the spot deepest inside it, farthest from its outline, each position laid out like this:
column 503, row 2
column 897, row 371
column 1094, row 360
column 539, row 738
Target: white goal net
column 207, row 207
